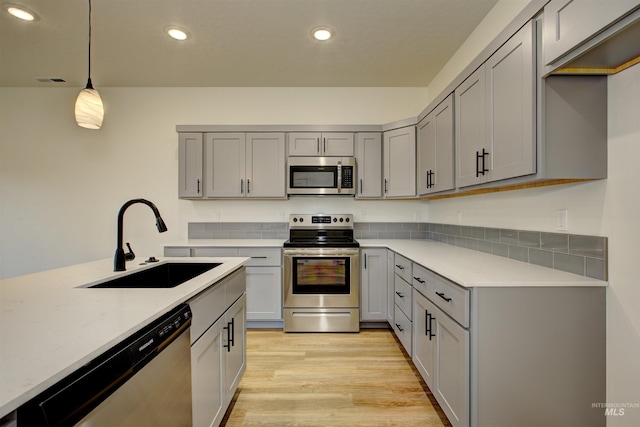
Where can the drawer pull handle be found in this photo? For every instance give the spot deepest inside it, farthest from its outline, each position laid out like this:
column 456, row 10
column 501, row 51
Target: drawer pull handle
column 419, row 279
column 400, row 267
column 258, row 257
column 399, row 294
column 399, row 328
column 441, row 295
column 229, row 339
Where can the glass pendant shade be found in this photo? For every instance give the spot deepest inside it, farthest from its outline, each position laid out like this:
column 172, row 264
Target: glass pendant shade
column 89, row 108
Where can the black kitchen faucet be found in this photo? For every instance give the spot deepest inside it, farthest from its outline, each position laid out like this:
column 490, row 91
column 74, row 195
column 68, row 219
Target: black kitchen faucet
column 120, row 257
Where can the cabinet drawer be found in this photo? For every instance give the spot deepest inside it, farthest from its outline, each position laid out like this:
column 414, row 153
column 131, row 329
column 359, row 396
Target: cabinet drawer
column 451, row 298
column 402, row 295
column 261, row 257
column 403, row 267
column 403, row 329
column 208, row 306
column 215, row 252
column 421, row 277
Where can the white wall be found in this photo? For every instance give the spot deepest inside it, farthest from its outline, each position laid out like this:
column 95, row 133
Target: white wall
column 61, row 186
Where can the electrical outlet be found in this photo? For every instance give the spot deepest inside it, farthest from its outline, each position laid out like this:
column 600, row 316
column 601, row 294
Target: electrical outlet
column 363, row 216
column 280, row 216
column 416, row 216
column 562, row 219
column 216, row 216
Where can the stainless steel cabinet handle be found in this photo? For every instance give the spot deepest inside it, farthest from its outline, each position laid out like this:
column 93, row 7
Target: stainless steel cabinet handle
column 360, row 185
column 385, row 185
column 399, row 294
column 248, row 186
column 242, row 186
column 400, row 266
column 399, row 328
column 318, row 145
column 198, row 183
column 418, row 279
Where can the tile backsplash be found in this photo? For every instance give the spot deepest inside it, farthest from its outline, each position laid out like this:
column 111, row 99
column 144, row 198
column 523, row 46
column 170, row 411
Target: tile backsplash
column 579, row 254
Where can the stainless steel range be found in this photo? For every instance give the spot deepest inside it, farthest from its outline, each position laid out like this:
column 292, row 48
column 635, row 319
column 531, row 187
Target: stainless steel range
column 321, row 274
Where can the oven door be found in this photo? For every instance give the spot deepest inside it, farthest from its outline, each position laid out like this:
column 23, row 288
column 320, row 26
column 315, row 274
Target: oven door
column 321, row 278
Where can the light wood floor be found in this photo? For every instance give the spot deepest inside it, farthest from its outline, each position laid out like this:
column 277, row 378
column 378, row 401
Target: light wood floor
column 325, row 379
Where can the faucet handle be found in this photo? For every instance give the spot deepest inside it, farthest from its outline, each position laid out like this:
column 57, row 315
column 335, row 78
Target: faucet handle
column 129, row 256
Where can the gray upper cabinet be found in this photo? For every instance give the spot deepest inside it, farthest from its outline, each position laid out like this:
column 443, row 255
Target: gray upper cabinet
column 320, row 144
column 369, row 165
column 265, row 165
column 190, row 165
column 399, row 160
column 239, row 165
column 225, row 164
column 569, row 23
column 435, row 150
column 495, row 115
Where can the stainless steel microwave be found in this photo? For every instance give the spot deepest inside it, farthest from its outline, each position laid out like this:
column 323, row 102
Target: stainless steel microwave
column 321, row 175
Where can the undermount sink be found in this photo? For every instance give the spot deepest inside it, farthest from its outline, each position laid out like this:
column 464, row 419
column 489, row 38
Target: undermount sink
column 168, row 275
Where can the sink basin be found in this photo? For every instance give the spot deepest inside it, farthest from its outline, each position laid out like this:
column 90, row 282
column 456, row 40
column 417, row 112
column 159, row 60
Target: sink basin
column 167, row 275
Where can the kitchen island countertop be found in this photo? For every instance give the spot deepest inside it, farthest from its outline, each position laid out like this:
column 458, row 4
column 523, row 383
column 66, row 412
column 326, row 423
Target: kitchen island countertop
column 51, row 323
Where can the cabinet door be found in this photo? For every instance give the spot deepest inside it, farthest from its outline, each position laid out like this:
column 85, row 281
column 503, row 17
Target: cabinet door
column 390, row 285
column 373, row 285
column 304, row 143
column 426, row 156
column 510, row 112
column 225, row 164
column 190, row 165
column 234, row 346
column 400, row 162
column 264, row 293
column 568, row 23
column 337, row 144
column 435, row 149
column 452, row 385
column 369, row 165
column 424, row 344
column 206, row 378
column 470, row 128
column 265, row 165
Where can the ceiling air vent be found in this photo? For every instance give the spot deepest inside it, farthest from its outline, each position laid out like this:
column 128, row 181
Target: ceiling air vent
column 51, row 80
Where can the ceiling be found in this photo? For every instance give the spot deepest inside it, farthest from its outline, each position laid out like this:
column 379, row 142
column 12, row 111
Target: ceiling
column 377, row 43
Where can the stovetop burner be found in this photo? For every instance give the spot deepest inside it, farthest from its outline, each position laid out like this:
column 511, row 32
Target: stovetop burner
column 325, row 231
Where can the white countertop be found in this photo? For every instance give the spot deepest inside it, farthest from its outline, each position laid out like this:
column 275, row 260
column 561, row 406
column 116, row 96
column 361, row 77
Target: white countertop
column 472, row 269
column 466, row 267
column 50, row 325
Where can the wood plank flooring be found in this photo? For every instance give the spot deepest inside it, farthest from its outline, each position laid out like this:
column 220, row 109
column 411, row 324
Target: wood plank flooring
column 328, row 380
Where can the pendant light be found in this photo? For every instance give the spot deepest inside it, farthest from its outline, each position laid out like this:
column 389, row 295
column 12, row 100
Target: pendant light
column 89, row 108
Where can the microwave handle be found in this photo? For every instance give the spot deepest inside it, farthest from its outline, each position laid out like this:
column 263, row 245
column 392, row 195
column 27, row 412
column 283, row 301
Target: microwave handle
column 339, row 176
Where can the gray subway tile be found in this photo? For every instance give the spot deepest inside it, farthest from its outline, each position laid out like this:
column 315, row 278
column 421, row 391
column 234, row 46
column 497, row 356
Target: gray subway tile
column 228, row 226
column 212, row 226
column 423, row 227
column 500, row 249
column 377, row 226
column 459, row 241
column 510, row 237
column 529, row 239
column 445, row 228
column 466, row 231
column 395, row 226
column 438, row 228
column 368, row 234
column 410, row 226
column 386, row 235
column 455, row 230
column 484, row 246
column 540, row 257
column 402, row 235
column 252, row 235
column 591, row 246
column 519, row 253
column 451, row 239
column 570, row 263
column 418, row 235
column 492, row 234
column 236, row 234
column 596, row 268
column 554, row 242
column 478, row 233
column 471, row 244
column 269, row 235
column 278, row 226
column 220, row 235
column 361, row 225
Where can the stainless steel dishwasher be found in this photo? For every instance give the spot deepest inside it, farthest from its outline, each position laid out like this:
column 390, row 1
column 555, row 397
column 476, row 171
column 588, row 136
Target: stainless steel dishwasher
column 144, row 381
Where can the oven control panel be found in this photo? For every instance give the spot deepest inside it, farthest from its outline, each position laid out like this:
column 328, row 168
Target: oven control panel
column 320, row 221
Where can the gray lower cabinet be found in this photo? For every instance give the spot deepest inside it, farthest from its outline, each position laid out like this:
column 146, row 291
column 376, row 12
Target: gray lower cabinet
column 441, row 355
column 493, row 356
column 263, row 276
column 218, row 348
column 373, row 285
column 390, row 285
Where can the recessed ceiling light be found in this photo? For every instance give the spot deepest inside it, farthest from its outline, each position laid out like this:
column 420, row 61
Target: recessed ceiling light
column 321, row 33
column 177, row 33
column 20, row 12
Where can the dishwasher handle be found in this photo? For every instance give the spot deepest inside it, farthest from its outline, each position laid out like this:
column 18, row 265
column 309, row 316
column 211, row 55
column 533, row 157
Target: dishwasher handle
column 72, row 398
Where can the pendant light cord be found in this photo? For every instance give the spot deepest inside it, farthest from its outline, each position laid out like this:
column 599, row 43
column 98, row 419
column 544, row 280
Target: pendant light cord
column 89, row 84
